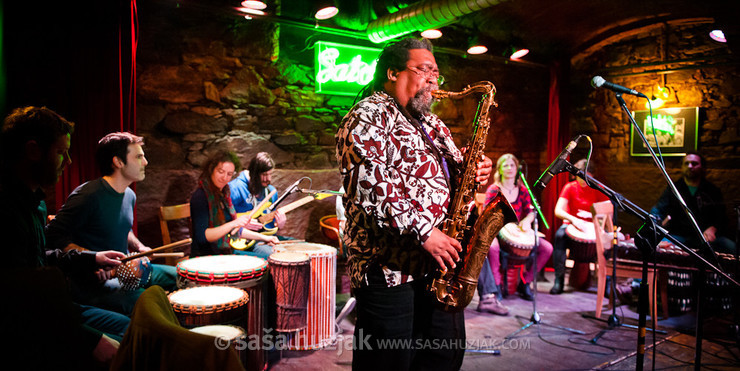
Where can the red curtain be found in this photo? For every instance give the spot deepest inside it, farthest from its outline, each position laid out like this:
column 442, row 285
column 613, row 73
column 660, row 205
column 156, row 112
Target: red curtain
column 105, row 90
column 78, row 59
column 558, row 134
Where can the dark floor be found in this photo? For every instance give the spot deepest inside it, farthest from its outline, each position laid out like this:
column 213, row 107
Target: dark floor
column 551, row 345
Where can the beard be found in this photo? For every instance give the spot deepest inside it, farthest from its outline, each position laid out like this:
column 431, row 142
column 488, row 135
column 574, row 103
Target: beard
column 421, row 102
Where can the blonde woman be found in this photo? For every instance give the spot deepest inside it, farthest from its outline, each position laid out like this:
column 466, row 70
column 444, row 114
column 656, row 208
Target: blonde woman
column 505, row 180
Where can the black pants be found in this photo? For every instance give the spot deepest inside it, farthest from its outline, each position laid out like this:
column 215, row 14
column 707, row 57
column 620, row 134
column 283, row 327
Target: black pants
column 559, row 254
column 403, row 328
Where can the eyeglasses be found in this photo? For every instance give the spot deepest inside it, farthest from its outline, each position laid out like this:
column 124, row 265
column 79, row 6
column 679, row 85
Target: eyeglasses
column 428, row 72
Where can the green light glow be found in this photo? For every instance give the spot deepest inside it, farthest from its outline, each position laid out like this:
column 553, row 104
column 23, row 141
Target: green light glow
column 343, row 69
column 662, row 123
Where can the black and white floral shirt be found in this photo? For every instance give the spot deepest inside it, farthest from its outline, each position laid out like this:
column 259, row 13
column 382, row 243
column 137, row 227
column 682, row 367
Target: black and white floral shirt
column 396, row 188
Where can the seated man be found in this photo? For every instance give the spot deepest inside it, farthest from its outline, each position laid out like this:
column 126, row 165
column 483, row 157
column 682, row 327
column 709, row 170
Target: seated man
column 35, row 145
column 573, row 207
column 704, row 200
column 248, row 190
column 99, row 215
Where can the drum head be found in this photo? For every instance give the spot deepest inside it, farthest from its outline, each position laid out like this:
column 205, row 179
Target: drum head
column 586, row 236
column 222, row 265
column 288, row 257
column 207, row 295
column 512, row 234
column 220, row 331
column 306, row 247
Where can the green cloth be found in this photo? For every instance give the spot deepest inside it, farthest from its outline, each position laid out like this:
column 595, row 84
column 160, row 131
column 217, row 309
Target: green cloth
column 156, row 341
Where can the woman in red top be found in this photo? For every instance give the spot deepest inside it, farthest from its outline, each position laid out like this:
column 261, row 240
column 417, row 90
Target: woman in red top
column 573, row 207
column 507, row 182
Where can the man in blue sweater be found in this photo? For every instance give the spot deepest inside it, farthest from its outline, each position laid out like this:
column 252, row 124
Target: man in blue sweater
column 99, row 215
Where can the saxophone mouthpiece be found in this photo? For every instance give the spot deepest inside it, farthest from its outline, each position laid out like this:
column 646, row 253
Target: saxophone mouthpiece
column 439, row 94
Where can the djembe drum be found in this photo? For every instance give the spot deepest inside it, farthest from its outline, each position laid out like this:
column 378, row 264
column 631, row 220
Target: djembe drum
column 582, row 246
column 291, row 273
column 240, row 271
column 320, row 328
column 515, row 241
column 209, row 305
column 517, row 245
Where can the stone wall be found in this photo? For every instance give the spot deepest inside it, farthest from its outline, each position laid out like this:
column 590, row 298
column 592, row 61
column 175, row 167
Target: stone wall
column 700, row 73
column 208, row 81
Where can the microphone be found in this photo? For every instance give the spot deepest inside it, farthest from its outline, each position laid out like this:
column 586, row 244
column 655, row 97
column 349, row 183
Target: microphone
column 599, row 82
column 518, row 173
column 556, row 167
column 292, row 189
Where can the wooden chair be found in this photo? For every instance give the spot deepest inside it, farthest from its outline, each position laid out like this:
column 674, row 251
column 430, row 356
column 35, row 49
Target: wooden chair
column 602, row 217
column 169, row 213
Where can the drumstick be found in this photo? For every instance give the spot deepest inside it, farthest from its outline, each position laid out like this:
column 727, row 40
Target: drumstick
column 158, row 249
column 168, row 255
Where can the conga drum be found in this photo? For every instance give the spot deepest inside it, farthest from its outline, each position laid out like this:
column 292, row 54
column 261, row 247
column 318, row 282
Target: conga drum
column 226, row 336
column 582, row 246
column 291, row 273
column 240, row 271
column 209, row 305
column 320, row 328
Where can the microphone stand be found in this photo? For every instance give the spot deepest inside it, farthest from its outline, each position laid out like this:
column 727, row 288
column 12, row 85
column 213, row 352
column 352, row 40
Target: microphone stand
column 292, row 189
column 646, row 239
column 613, row 321
column 697, row 231
column 535, row 318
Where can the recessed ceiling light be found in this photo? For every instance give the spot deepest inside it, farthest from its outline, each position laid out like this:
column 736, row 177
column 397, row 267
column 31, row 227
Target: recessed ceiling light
column 251, row 11
column 327, row 12
column 477, row 49
column 718, row 35
column 254, row 4
column 431, row 34
column 519, row 53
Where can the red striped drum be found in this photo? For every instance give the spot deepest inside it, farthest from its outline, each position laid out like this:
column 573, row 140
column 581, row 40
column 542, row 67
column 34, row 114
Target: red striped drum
column 320, row 328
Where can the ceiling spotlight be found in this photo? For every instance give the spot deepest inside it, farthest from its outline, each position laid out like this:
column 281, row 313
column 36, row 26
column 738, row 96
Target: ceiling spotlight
column 431, row 34
column 518, row 54
column 251, row 11
column 254, row 4
column 477, row 49
column 326, row 12
column 718, row 35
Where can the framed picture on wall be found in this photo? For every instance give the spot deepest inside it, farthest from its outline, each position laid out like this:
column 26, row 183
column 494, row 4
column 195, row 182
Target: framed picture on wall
column 676, row 130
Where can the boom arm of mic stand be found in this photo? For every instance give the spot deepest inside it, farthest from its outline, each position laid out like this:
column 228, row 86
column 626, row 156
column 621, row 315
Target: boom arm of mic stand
column 668, row 180
column 635, row 210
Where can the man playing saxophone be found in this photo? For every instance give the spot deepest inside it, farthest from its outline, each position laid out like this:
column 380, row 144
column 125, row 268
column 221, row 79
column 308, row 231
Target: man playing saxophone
column 396, row 158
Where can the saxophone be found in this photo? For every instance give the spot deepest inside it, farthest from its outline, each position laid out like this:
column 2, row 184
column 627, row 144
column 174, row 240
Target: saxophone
column 454, row 289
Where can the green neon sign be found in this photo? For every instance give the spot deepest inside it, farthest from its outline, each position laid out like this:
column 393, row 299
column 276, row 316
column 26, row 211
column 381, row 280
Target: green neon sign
column 343, row 69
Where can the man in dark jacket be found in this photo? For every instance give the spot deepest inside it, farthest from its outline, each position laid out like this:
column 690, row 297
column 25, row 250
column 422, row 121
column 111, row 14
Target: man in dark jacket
column 704, row 200
column 51, row 330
